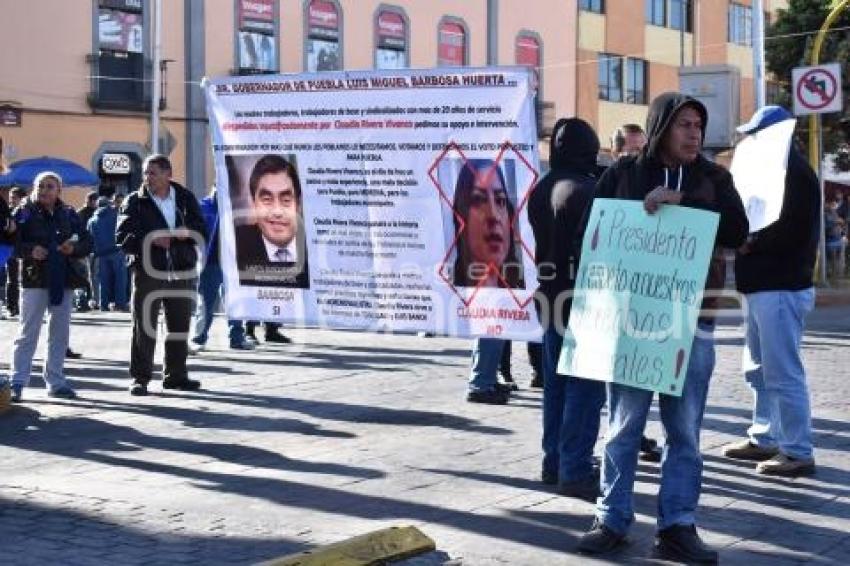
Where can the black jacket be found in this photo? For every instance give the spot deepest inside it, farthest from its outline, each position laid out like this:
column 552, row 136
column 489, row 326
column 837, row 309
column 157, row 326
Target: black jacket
column 705, row 185
column 254, row 265
column 37, row 227
column 556, row 207
column 140, row 216
column 782, row 255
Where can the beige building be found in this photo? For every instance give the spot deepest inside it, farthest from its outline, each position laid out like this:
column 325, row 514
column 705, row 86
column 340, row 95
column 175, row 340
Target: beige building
column 77, row 74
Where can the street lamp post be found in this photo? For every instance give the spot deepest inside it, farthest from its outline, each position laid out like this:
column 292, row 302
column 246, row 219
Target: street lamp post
column 815, row 133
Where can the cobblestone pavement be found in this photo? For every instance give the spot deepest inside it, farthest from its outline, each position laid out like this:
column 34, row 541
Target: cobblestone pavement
column 342, row 433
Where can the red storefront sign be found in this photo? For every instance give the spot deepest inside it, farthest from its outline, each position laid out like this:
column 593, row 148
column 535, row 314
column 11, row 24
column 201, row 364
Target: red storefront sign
column 527, row 51
column 391, row 30
column 451, row 50
column 256, row 15
column 323, row 19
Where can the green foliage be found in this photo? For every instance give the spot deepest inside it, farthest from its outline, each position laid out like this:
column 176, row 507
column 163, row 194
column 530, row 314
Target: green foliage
column 788, row 44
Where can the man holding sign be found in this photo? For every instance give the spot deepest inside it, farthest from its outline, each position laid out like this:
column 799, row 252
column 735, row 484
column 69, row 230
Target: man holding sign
column 669, row 171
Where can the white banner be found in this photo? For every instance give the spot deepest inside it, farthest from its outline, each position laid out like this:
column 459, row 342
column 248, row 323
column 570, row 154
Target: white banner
column 379, row 200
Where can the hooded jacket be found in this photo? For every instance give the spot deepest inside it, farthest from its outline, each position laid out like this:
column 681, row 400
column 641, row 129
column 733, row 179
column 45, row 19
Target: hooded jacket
column 704, row 185
column 140, row 216
column 101, row 226
column 556, row 207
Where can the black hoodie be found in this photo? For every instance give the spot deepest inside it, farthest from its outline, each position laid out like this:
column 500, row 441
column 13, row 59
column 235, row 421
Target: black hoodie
column 557, row 204
column 704, row 184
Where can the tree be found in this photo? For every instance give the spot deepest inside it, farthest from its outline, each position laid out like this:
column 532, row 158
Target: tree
column 786, row 48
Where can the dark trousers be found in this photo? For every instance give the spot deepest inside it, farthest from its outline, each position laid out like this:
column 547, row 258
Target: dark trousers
column 177, row 299
column 535, row 358
column 250, row 325
column 13, row 292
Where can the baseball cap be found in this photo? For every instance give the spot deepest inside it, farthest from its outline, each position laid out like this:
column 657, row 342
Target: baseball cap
column 765, row 117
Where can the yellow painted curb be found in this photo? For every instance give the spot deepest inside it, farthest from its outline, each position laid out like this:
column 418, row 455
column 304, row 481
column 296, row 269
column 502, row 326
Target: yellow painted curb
column 370, row 549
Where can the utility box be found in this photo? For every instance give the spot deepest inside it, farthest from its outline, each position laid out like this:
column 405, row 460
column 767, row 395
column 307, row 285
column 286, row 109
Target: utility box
column 718, row 87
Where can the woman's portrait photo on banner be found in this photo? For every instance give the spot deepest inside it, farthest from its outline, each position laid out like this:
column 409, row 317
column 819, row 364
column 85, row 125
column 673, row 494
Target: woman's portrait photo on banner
column 484, row 200
column 268, row 218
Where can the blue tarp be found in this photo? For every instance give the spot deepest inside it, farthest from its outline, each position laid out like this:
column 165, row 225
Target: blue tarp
column 23, row 172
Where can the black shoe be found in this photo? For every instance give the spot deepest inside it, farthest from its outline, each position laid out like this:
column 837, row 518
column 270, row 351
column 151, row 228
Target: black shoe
column 491, row 397
column 549, row 478
column 72, row 355
column 276, row 337
column 585, row 489
column 536, row 381
column 505, row 388
column 138, row 389
column 600, row 540
column 649, row 450
column 681, row 543
column 182, row 385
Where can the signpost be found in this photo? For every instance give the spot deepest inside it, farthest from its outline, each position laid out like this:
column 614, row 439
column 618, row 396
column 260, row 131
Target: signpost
column 817, row 90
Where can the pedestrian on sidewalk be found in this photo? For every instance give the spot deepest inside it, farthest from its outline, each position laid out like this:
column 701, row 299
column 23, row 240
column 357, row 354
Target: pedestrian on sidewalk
column 211, row 284
column 774, row 270
column 13, row 291
column 669, row 171
column 51, row 244
column 87, row 297
column 160, row 228
column 571, row 406
column 111, row 261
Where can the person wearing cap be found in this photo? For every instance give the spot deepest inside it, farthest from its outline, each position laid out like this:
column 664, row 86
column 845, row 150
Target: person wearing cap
column 774, row 270
column 669, row 171
column 51, row 241
column 111, row 262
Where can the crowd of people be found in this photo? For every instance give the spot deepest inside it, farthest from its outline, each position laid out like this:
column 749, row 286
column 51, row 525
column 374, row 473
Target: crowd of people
column 151, row 242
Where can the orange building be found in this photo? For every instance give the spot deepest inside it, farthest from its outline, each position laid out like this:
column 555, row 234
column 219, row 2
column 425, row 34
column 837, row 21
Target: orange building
column 77, row 74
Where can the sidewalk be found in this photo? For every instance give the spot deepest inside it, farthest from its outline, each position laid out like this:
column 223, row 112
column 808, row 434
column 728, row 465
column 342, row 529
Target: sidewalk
column 343, row 433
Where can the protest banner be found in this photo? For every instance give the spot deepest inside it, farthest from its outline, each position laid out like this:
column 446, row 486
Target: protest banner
column 638, row 293
column 761, row 186
column 379, row 200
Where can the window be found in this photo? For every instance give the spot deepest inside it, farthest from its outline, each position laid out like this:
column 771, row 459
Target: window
column 597, row 6
column 740, row 24
column 391, row 43
column 610, row 77
column 118, row 63
column 323, row 45
column 257, row 37
column 656, row 12
column 451, row 48
column 669, row 13
column 622, row 79
column 635, row 81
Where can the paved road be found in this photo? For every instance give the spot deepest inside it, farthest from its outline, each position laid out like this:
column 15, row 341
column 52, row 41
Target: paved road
column 343, row 433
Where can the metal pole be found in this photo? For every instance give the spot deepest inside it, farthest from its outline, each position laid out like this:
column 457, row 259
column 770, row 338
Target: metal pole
column 492, row 32
column 157, row 75
column 682, row 33
column 758, row 53
column 822, row 238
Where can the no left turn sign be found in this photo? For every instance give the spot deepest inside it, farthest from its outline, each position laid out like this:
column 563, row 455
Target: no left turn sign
column 817, row 90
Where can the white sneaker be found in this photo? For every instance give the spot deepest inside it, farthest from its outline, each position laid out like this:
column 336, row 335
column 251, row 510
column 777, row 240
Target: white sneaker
column 195, row 348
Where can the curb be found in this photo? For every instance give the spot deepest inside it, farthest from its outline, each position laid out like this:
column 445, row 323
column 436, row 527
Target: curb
column 378, row 547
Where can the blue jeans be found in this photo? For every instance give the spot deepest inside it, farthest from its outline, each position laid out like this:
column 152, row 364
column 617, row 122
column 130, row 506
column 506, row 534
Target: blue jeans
column 209, row 287
column 681, row 463
column 571, row 408
column 781, row 410
column 112, row 280
column 486, row 354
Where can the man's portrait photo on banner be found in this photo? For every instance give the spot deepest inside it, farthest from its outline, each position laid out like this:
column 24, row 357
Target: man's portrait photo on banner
column 487, row 250
column 268, row 213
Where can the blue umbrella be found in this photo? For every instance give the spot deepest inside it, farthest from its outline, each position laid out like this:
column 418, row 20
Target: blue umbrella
column 24, row 172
